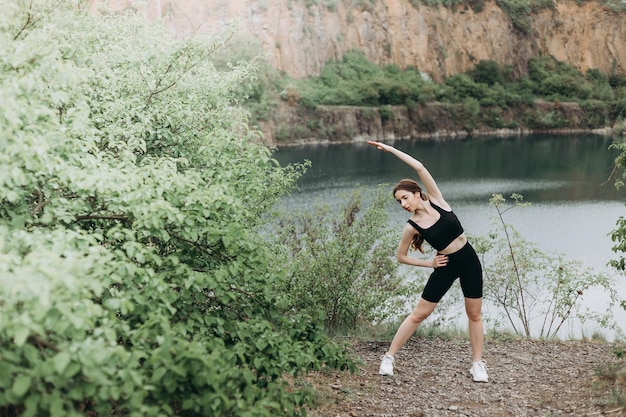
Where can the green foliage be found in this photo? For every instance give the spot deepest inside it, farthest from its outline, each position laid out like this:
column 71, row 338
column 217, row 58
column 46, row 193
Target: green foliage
column 470, row 114
column 356, row 81
column 341, row 262
column 477, row 5
column 618, row 236
column 386, row 113
column 487, row 72
column 616, row 6
column 447, row 3
column 364, row 5
column 597, row 114
column 534, row 287
column 462, row 87
column 520, row 11
column 133, row 279
column 557, row 81
column 260, row 92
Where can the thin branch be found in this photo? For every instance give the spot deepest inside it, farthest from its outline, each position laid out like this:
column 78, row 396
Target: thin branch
column 29, row 22
column 610, row 176
column 191, row 242
column 198, row 246
column 102, row 217
column 42, row 343
column 41, row 203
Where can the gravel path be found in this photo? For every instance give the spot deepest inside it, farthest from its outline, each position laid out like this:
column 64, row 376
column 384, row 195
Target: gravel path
column 527, row 378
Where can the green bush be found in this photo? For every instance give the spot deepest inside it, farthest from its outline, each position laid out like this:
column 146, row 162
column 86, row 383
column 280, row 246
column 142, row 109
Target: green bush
column 386, row 113
column 618, row 235
column 133, row 279
column 538, row 292
column 341, row 262
column 617, row 80
column 356, row 81
column 597, row 114
column 463, row 87
column 487, row 72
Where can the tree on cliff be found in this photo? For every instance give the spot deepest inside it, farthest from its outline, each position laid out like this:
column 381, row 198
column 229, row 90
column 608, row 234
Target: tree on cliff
column 131, row 276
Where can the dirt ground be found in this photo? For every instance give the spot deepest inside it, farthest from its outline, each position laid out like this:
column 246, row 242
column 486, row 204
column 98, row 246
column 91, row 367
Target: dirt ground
column 526, row 378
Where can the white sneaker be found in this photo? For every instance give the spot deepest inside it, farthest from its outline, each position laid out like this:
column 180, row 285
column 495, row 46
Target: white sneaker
column 386, row 365
column 479, row 372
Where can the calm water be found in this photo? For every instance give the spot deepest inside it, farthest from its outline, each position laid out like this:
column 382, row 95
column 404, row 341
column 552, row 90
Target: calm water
column 574, row 205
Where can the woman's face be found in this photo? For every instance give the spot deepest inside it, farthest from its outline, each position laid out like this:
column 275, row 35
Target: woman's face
column 408, row 200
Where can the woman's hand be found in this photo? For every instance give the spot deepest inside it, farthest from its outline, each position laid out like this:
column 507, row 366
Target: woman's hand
column 440, row 260
column 381, row 146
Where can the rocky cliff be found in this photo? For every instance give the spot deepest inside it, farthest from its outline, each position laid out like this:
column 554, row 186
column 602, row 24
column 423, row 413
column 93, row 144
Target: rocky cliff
column 299, row 36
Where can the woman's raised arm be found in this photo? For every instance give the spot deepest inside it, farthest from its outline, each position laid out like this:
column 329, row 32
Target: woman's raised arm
column 427, row 180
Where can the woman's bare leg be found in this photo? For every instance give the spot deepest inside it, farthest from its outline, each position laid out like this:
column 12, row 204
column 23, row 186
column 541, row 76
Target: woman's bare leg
column 473, row 308
column 422, row 310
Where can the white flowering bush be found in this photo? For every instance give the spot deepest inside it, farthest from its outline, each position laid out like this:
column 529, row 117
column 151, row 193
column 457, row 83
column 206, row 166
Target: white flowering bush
column 132, row 278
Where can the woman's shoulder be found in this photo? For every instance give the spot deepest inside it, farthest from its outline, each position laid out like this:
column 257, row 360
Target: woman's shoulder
column 440, row 204
column 410, row 228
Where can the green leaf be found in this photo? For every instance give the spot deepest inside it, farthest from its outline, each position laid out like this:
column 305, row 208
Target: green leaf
column 158, row 375
column 56, row 407
column 31, row 354
column 32, row 405
column 21, row 385
column 61, row 360
column 71, row 370
column 5, row 375
column 21, row 335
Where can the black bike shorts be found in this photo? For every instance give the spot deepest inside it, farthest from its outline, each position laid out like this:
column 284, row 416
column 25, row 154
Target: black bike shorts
column 463, row 264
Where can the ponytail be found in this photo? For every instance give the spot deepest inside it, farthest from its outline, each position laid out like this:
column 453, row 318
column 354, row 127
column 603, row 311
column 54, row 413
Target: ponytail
column 417, row 242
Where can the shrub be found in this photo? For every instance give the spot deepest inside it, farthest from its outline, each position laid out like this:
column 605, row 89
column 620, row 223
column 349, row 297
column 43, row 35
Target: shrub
column 341, row 262
column 386, row 113
column 618, row 236
column 537, row 291
column 597, row 114
column 133, row 280
column 487, row 72
column 463, row 87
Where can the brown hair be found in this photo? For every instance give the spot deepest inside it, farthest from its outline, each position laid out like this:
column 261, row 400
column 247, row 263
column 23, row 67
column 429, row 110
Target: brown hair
column 412, row 187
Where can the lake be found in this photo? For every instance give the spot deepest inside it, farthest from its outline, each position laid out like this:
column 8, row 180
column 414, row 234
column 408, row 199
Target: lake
column 566, row 178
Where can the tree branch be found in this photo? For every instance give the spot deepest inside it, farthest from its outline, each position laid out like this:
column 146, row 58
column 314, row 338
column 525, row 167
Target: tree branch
column 102, row 217
column 42, row 343
column 41, row 203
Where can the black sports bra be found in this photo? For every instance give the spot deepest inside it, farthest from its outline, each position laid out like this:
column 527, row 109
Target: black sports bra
column 443, row 232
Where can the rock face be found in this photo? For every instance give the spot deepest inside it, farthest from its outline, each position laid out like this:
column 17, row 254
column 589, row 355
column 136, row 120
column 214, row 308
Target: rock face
column 295, row 125
column 299, row 36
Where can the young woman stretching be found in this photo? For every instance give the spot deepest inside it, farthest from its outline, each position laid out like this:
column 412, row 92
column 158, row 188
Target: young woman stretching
column 433, row 221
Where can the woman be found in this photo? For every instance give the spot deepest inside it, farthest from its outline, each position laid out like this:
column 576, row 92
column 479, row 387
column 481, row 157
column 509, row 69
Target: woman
column 433, row 221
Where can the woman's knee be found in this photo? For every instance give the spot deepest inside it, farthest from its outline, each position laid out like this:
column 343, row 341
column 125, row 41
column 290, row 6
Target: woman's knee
column 474, row 316
column 473, row 307
column 422, row 311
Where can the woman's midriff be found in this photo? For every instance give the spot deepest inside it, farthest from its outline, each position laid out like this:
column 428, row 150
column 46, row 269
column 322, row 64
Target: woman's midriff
column 456, row 245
